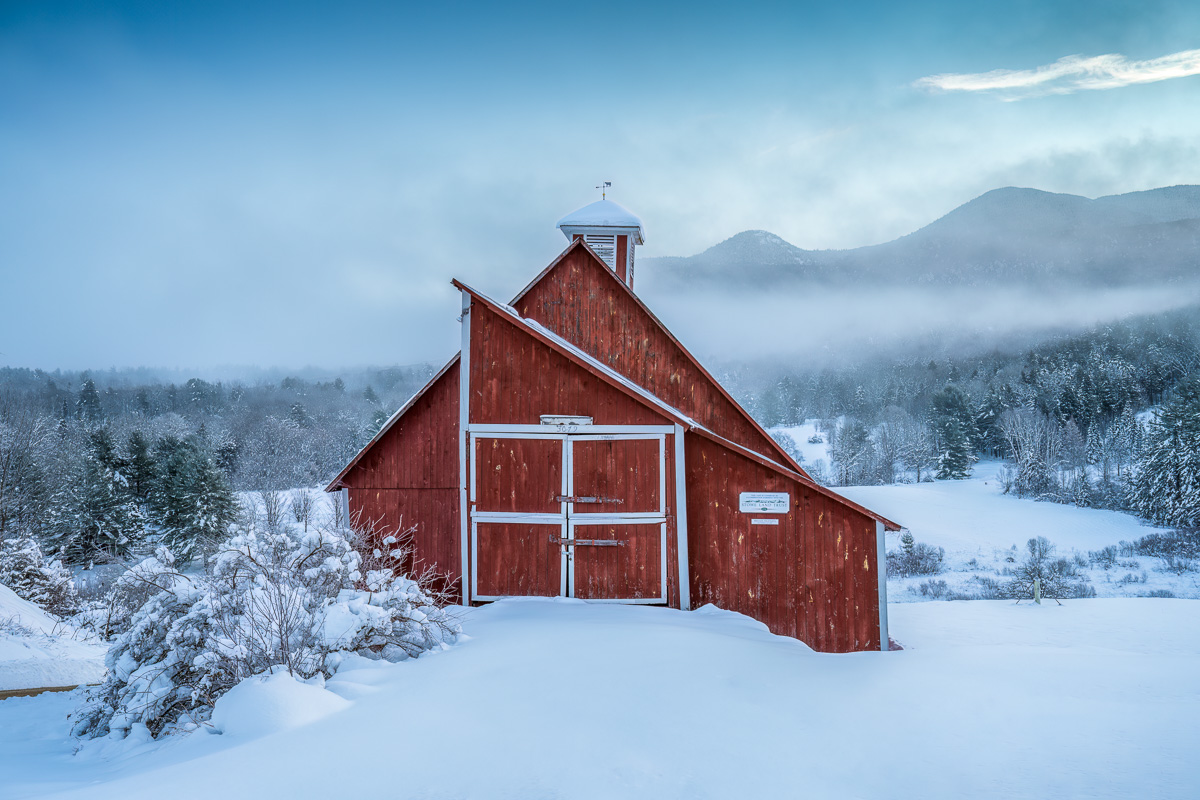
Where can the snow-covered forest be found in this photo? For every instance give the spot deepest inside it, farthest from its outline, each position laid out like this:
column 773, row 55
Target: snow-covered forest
column 89, row 464
column 1107, row 418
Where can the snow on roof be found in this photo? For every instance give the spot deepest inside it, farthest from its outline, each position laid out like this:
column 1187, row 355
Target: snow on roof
column 603, row 214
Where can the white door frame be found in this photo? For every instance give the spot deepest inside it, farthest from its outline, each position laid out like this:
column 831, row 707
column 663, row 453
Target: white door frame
column 566, row 518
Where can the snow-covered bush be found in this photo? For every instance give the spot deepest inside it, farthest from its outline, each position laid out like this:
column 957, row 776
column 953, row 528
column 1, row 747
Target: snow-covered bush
column 934, row 589
column 285, row 599
column 41, row 581
column 113, row 613
column 915, row 558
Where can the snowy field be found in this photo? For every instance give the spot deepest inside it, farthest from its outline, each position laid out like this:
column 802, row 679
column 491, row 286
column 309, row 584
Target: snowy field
column 1096, row 698
column 981, row 528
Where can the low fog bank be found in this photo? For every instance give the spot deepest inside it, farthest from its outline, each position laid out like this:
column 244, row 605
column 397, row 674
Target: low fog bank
column 827, row 327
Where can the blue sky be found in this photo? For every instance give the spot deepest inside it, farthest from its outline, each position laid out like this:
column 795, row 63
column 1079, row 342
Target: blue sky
column 295, row 183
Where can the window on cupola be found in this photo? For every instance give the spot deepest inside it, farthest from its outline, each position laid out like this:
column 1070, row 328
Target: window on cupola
column 605, row 245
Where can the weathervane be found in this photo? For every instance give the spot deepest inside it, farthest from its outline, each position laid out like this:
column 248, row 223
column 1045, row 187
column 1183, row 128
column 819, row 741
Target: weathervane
column 602, row 187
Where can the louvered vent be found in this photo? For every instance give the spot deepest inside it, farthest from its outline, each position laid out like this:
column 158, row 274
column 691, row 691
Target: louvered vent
column 605, row 245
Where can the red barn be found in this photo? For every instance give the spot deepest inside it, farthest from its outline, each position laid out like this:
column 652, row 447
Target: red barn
column 575, row 448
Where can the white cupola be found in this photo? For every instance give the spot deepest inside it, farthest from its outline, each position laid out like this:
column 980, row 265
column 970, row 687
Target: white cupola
column 609, row 229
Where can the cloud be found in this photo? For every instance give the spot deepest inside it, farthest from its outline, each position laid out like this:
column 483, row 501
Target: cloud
column 1070, row 74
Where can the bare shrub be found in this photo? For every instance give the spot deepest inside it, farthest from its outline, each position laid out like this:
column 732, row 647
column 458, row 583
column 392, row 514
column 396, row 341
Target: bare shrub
column 1056, row 578
column 303, row 507
column 934, row 589
column 272, row 508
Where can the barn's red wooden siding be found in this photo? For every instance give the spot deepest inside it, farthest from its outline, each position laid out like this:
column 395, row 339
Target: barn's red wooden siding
column 813, row 576
column 580, row 301
column 410, row 477
column 515, row 379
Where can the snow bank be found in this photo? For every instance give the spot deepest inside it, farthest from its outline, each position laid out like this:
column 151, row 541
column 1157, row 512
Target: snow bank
column 1096, row 698
column 25, row 613
column 271, row 703
column 37, row 650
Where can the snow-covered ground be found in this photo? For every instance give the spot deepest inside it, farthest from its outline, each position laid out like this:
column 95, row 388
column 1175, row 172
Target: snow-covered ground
column 1096, row 698
column 981, row 528
column 811, row 452
column 36, row 650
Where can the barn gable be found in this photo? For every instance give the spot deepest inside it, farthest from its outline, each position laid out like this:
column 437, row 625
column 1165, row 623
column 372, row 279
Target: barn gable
column 427, row 461
column 517, row 376
column 578, row 297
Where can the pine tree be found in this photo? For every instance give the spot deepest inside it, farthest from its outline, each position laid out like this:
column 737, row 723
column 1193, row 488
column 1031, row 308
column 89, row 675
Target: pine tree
column 1166, row 485
column 99, row 518
column 140, row 467
column 87, row 407
column 192, row 504
column 1094, row 447
column 953, row 425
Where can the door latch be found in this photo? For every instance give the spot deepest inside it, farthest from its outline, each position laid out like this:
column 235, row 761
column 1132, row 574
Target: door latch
column 562, row 498
column 586, row 542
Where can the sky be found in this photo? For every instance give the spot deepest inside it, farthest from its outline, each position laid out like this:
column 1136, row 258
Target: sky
column 290, row 184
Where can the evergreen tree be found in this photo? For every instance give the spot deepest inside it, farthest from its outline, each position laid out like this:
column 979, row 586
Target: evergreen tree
column 99, row 518
column 140, row 468
column 87, row 406
column 1166, row 485
column 192, row 504
column 953, row 422
column 33, row 577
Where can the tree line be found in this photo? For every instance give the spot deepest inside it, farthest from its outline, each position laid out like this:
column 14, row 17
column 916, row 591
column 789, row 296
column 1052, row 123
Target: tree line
column 1106, row 418
column 92, row 465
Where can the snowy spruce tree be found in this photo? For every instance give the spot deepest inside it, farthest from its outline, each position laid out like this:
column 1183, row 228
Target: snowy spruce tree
column 140, row 465
column 45, row 582
column 191, row 503
column 953, row 422
column 1166, row 484
column 96, row 517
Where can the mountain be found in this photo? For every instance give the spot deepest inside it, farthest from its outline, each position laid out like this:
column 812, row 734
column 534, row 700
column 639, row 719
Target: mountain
column 1005, row 236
